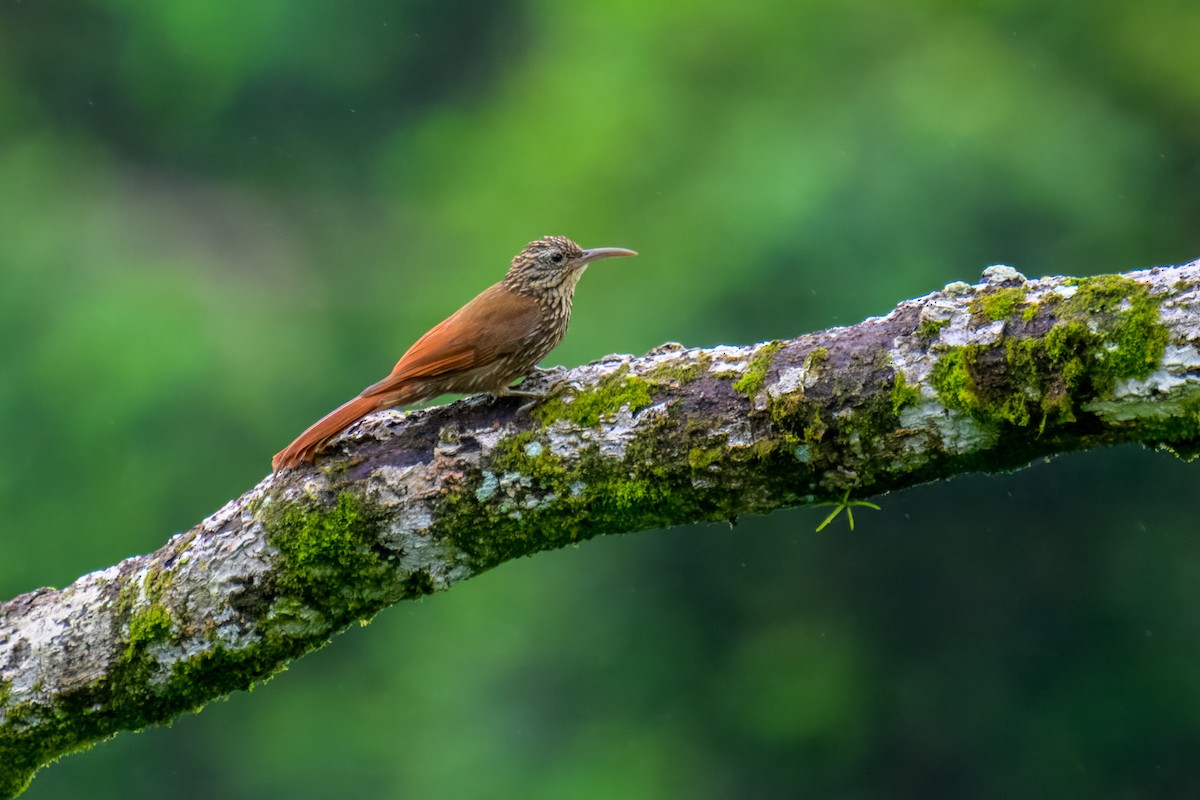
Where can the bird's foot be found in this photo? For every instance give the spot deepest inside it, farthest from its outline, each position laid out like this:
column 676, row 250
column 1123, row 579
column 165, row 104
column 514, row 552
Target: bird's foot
column 536, row 386
column 534, row 398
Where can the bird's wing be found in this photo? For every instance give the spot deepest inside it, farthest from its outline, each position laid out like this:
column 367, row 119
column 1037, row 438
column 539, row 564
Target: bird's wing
column 496, row 322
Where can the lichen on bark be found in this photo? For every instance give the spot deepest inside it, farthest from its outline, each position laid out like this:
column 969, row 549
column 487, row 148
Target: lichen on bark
column 404, row 504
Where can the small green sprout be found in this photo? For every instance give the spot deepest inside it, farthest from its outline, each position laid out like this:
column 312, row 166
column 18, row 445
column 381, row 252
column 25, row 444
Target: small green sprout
column 847, row 504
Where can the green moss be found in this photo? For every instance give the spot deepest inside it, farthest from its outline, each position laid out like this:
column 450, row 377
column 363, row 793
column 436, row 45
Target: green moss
column 133, row 695
column 752, row 380
column 218, row 671
column 588, row 407
column 146, row 622
column 522, row 480
column 838, row 421
column 329, row 571
column 952, row 377
column 524, row 454
column 334, row 468
column 15, row 773
column 816, row 359
column 528, row 499
column 930, row 329
column 704, row 457
column 1030, row 387
column 795, row 414
column 418, row 583
column 903, row 395
column 5, row 692
column 1134, row 326
column 1107, row 331
column 815, row 430
column 760, row 450
column 1177, row 432
column 156, row 584
column 328, row 574
column 799, row 417
column 680, row 371
column 998, row 304
column 152, row 624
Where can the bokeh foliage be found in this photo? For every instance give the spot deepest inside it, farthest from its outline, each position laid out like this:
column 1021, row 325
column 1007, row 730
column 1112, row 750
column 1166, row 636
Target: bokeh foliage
column 218, row 220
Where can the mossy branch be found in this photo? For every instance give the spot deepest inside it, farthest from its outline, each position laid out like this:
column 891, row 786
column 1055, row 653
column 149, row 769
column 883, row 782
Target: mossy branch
column 983, row 377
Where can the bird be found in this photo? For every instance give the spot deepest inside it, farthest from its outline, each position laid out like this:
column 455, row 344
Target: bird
column 496, row 338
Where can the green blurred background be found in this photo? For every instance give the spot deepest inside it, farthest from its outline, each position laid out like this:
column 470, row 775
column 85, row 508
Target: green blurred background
column 218, row 220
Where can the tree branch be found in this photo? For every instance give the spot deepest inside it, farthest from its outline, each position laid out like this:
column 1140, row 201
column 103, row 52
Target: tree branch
column 983, row 377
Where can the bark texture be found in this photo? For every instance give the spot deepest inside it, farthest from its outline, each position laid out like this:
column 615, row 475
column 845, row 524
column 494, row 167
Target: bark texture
column 983, row 377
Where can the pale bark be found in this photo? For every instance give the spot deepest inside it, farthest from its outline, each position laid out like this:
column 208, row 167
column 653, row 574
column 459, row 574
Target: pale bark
column 405, row 504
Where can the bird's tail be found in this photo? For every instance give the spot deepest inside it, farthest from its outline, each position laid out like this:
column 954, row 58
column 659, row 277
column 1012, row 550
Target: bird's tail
column 320, row 432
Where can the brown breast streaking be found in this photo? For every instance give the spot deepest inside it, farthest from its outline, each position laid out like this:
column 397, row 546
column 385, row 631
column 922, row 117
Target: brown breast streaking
column 496, row 338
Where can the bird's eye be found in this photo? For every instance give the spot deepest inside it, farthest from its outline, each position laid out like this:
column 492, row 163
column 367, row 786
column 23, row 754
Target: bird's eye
column 556, row 257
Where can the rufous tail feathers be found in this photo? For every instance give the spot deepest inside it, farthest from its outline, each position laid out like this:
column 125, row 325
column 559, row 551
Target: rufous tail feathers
column 307, row 444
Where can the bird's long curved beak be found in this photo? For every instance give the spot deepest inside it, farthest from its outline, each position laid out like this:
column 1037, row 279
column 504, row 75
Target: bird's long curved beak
column 597, row 253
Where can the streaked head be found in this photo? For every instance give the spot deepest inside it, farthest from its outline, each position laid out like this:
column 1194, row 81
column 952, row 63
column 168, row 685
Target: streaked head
column 555, row 263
